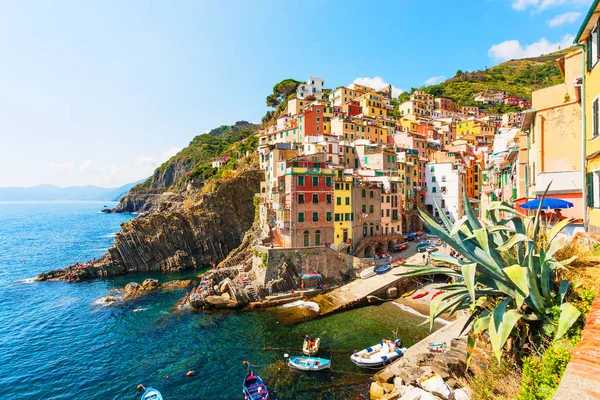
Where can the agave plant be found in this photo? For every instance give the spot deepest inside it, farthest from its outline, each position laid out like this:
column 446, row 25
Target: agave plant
column 508, row 275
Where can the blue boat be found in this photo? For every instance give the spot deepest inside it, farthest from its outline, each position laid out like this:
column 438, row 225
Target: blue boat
column 383, row 269
column 152, row 394
column 254, row 388
column 309, row 363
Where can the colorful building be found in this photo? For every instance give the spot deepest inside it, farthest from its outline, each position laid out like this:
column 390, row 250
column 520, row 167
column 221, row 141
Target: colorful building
column 343, row 214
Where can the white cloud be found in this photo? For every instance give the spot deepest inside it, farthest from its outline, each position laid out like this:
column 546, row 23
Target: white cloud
column 95, row 173
column 541, row 5
column 435, row 79
column 378, row 83
column 566, row 18
column 513, row 49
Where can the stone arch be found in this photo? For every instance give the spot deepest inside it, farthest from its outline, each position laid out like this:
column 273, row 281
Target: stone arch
column 379, row 247
column 415, row 223
column 368, row 252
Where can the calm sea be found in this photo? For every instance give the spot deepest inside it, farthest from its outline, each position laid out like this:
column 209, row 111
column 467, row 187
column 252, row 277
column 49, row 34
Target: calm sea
column 57, row 340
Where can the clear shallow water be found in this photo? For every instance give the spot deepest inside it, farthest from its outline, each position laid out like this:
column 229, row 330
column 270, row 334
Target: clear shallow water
column 57, row 341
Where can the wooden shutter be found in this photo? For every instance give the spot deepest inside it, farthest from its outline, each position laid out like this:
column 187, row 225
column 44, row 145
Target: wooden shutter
column 590, row 188
column 595, row 117
column 588, row 52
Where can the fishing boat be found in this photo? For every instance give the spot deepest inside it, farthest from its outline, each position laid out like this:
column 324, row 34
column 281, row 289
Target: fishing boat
column 383, row 269
column 437, row 293
column 400, row 247
column 152, row 394
column 309, row 363
column 254, row 388
column 431, row 248
column 398, row 260
column 420, row 295
column 409, row 293
column 367, row 273
column 379, row 355
column 313, row 348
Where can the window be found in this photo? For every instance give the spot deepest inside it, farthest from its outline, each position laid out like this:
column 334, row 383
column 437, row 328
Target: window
column 433, row 189
column 595, row 116
column 364, row 193
column 328, row 199
column 371, row 194
column 433, row 179
column 364, row 208
column 300, row 217
column 347, row 186
column 347, row 201
column 328, row 216
column 349, row 217
column 338, row 201
column 443, row 203
column 300, row 181
column 315, row 216
column 301, row 199
column 328, row 181
column 317, row 238
column 337, row 217
column 315, row 181
column 371, row 208
column 306, row 239
column 315, row 198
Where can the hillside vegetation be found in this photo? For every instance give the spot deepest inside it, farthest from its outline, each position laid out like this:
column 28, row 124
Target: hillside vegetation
column 195, row 160
column 517, row 77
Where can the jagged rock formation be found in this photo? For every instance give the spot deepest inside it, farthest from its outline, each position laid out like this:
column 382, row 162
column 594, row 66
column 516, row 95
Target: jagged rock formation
column 134, row 290
column 197, row 232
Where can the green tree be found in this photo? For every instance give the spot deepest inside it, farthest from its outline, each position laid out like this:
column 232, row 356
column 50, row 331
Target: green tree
column 281, row 91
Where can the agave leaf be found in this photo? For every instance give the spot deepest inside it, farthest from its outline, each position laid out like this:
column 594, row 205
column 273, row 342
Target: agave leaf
column 518, row 276
column 568, row 316
column 568, row 261
column 554, row 247
column 457, row 225
column 468, row 273
column 505, row 207
column 471, row 345
column 500, row 228
column 420, row 270
column 562, row 290
column 448, row 259
column 445, row 220
column 546, row 280
column 482, row 237
column 501, row 325
column 435, row 303
column 537, row 301
column 519, row 237
column 537, row 220
column 470, row 214
column 482, row 324
column 558, row 227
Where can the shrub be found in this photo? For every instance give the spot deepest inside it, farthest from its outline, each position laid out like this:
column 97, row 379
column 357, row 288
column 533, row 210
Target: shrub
column 541, row 375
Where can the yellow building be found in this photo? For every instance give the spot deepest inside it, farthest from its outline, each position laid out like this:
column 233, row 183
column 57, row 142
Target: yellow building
column 343, row 214
column 408, row 123
column 588, row 36
column 372, row 105
column 475, row 127
column 295, row 106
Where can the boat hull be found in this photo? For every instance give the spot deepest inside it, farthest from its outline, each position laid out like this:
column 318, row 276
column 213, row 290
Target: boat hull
column 383, row 270
column 152, row 394
column 313, row 350
column 309, row 363
column 367, row 273
column 377, row 356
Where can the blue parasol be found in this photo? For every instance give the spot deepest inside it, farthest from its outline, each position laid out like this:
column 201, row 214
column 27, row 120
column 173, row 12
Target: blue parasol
column 549, row 203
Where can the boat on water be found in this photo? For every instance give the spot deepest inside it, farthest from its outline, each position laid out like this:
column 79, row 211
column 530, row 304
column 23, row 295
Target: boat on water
column 311, row 347
column 383, row 269
column 367, row 273
column 420, row 295
column 409, row 293
column 309, row 363
column 254, row 388
column 379, row 355
column 152, row 394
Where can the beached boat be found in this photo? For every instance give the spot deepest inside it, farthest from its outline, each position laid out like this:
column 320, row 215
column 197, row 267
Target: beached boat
column 383, row 269
column 420, row 295
column 152, row 394
column 431, row 248
column 379, row 355
column 437, row 294
column 309, row 363
column 311, row 350
column 398, row 260
column 367, row 273
column 409, row 293
column 400, row 247
column 254, row 388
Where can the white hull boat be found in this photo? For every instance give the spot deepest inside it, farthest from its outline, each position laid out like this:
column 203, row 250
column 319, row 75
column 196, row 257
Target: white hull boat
column 311, row 350
column 381, row 354
column 367, row 273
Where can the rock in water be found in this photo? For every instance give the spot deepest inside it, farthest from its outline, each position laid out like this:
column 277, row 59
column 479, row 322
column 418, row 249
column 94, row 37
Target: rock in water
column 188, row 234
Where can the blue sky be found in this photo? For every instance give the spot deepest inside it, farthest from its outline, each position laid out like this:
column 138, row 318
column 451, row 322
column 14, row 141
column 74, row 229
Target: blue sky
column 102, row 92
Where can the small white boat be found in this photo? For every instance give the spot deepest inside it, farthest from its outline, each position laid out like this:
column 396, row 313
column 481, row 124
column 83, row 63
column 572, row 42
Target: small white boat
column 313, row 349
column 152, row 394
column 309, row 363
column 367, row 273
column 379, row 355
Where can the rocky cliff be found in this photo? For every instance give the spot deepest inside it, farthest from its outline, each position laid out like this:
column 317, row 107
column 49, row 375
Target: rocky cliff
column 193, row 233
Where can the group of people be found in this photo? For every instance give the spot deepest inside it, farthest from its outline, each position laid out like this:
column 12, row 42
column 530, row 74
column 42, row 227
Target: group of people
column 310, row 343
column 383, row 256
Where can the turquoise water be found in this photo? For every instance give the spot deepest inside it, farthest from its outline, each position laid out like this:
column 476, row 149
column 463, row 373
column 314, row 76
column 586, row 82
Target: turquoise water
column 58, row 342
